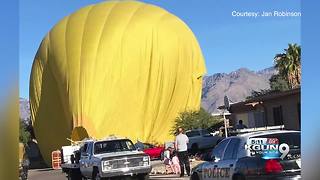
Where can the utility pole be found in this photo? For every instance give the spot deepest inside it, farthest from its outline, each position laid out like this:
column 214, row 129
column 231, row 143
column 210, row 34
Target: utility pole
column 226, row 107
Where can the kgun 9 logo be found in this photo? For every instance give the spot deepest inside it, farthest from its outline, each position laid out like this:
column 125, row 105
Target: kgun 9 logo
column 269, row 148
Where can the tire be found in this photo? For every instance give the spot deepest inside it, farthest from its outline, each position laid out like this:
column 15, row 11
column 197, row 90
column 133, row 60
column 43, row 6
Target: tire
column 143, row 177
column 74, row 175
column 96, row 175
column 238, row 177
column 194, row 149
column 195, row 176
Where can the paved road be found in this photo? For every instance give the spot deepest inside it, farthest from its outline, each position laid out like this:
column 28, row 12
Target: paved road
column 49, row 174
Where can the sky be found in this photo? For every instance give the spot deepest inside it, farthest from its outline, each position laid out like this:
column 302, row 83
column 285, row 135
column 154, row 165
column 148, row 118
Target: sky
column 8, row 48
column 227, row 42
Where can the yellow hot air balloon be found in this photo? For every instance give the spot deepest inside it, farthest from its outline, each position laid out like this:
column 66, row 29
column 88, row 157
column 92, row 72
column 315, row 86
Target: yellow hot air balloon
column 120, row 67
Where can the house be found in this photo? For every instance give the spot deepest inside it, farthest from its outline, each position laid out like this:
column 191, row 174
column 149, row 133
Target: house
column 271, row 109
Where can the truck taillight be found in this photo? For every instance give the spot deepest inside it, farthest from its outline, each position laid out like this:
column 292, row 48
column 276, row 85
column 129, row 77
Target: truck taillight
column 273, row 166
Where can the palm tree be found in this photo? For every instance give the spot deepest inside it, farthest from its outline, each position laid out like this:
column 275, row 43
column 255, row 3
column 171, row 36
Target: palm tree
column 289, row 65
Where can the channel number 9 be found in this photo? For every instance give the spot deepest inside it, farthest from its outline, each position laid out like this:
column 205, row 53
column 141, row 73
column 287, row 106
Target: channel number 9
column 284, row 150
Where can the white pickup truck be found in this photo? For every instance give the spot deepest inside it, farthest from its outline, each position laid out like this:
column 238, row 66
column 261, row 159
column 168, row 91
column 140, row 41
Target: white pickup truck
column 200, row 139
column 101, row 159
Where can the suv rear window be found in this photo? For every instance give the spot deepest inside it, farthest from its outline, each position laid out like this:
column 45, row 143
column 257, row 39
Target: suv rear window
column 293, row 139
column 193, row 133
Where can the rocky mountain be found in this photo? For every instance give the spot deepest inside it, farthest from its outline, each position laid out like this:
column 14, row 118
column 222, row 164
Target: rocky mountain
column 24, row 110
column 237, row 85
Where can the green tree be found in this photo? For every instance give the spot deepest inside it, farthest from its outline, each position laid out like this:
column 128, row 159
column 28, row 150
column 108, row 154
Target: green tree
column 278, row 83
column 289, row 65
column 24, row 134
column 193, row 120
column 258, row 93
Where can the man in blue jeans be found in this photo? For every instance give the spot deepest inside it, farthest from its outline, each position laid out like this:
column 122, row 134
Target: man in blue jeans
column 181, row 147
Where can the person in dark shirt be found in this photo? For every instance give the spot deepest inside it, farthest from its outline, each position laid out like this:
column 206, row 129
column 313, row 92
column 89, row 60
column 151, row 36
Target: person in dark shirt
column 241, row 125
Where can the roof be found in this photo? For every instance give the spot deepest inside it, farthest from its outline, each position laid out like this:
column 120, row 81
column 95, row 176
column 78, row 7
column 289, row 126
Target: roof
column 264, row 97
column 274, row 95
column 111, row 138
column 258, row 133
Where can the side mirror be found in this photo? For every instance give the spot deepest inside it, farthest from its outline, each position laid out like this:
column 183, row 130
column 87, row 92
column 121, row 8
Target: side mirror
column 209, row 157
column 215, row 159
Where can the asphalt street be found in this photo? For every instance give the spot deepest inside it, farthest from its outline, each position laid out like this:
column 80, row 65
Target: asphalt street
column 50, row 174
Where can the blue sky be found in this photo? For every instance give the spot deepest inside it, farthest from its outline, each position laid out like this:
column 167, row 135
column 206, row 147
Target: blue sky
column 227, row 42
column 8, row 48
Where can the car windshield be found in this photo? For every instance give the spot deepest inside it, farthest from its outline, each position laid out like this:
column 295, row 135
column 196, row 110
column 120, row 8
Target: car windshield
column 147, row 146
column 205, row 132
column 193, row 133
column 113, row 146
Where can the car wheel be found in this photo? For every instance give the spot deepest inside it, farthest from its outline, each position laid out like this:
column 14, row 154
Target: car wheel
column 194, row 149
column 195, row 176
column 143, row 176
column 96, row 175
column 73, row 175
column 238, row 177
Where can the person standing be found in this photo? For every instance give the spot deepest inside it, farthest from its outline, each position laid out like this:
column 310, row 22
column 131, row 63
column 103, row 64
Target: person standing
column 240, row 125
column 181, row 147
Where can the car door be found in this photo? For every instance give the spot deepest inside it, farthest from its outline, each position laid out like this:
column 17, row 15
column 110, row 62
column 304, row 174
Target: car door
column 149, row 149
column 90, row 159
column 84, row 160
column 228, row 161
column 210, row 169
column 207, row 139
column 193, row 136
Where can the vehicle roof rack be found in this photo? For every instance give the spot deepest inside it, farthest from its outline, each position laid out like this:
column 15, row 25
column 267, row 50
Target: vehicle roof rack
column 258, row 129
column 80, row 142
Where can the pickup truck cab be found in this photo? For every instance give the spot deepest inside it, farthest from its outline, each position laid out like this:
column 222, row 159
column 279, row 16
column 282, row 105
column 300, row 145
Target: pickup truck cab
column 107, row 158
column 200, row 139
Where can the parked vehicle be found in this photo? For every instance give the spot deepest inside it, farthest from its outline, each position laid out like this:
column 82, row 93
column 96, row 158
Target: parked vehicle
column 200, row 139
column 231, row 160
column 99, row 159
column 153, row 151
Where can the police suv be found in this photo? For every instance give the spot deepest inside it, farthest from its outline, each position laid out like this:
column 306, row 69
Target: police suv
column 235, row 158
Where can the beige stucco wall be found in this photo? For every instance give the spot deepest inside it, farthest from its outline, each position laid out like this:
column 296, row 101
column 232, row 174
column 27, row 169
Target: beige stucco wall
column 290, row 113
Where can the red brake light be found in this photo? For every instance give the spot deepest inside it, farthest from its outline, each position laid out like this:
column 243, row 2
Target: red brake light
column 273, row 166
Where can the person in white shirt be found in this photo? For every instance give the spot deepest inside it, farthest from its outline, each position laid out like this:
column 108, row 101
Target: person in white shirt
column 181, row 147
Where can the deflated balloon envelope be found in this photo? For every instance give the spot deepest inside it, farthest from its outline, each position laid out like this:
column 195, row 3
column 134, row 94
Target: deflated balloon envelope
column 124, row 68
